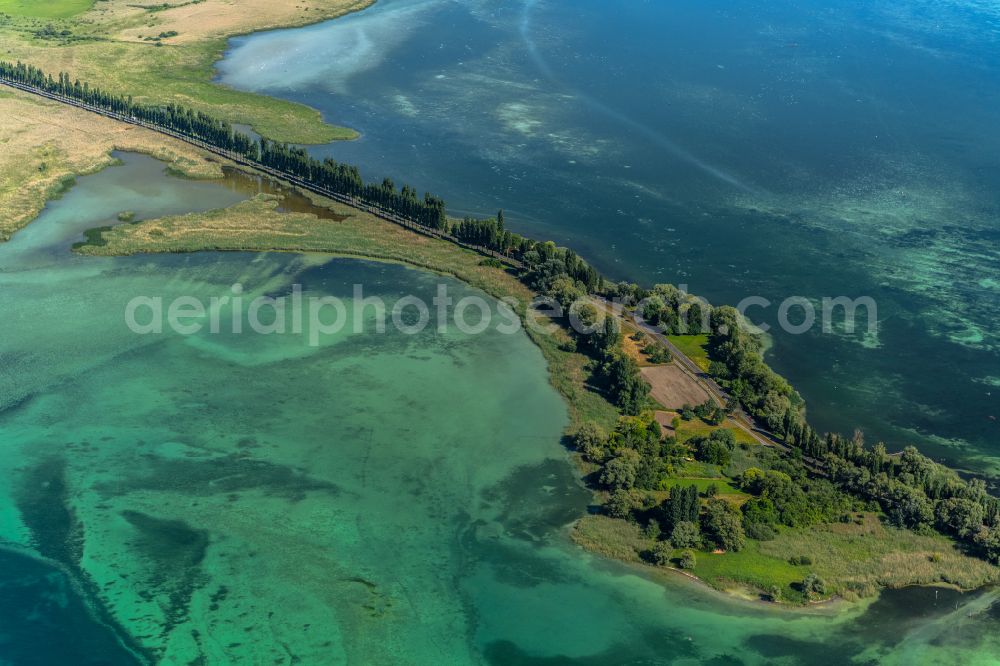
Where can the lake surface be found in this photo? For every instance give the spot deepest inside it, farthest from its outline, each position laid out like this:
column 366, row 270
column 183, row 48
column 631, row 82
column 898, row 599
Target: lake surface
column 253, row 499
column 762, row 149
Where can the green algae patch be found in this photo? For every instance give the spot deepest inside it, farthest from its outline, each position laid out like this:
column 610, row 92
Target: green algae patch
column 45, row 505
column 174, row 552
column 260, row 224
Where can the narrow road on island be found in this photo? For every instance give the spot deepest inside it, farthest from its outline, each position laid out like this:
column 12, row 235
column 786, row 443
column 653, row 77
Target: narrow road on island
column 739, row 417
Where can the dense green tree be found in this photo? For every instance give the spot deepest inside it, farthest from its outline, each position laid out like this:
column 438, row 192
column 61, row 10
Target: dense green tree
column 621, row 503
column 641, row 433
column 626, row 387
column 607, row 340
column 694, row 319
column 565, row 290
column 685, row 534
column 987, row 539
column 908, row 506
column 715, row 449
column 657, row 354
column 723, row 525
column 959, row 516
column 652, row 530
column 661, row 553
column 588, row 315
column 813, row 586
column 682, row 505
column 760, row 510
column 752, row 480
column 591, row 441
column 652, row 308
column 740, row 367
column 620, row 472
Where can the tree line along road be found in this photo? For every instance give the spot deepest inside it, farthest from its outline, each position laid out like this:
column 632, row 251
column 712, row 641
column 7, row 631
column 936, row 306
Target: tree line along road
column 276, row 174
column 739, row 417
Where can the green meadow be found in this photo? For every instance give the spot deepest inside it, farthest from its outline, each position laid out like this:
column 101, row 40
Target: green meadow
column 50, row 9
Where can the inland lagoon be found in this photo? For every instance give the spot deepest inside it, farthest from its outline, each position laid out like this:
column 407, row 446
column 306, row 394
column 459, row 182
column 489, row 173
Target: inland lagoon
column 380, row 499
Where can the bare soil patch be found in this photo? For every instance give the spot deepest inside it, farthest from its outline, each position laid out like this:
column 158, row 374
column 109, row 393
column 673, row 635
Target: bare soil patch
column 672, row 387
column 666, row 421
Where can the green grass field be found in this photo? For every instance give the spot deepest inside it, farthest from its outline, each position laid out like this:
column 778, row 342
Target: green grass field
column 692, row 469
column 750, row 567
column 696, row 428
column 703, row 484
column 694, row 347
column 49, row 9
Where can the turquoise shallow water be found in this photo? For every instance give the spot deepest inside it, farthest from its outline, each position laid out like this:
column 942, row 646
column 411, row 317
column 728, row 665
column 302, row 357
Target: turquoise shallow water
column 773, row 149
column 378, row 499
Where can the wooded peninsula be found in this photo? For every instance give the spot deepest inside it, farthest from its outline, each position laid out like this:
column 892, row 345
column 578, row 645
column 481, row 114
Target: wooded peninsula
column 787, row 514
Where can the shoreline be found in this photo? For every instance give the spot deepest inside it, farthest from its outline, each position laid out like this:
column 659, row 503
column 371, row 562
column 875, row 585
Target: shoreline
column 264, row 213
column 349, row 133
column 394, row 257
column 107, row 41
column 833, row 606
column 43, row 158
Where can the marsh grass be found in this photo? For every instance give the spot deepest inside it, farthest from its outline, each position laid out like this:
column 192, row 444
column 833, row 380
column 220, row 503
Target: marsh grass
column 698, row 428
column 44, row 146
column 616, row 539
column 858, row 560
column 855, row 560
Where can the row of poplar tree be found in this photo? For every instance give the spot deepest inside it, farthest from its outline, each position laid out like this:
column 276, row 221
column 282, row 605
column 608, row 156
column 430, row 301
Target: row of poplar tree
column 343, row 179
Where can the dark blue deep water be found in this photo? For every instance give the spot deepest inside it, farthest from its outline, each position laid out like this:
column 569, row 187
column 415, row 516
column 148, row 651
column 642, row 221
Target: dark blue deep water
column 43, row 619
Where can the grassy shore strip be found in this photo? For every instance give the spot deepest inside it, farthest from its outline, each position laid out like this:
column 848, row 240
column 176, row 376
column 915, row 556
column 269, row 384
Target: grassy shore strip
column 46, row 145
column 161, row 55
column 856, row 560
column 257, row 225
